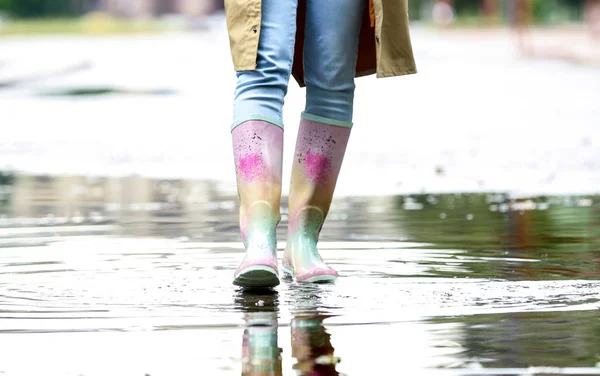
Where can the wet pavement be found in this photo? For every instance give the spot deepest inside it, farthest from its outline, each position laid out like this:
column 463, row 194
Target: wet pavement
column 476, row 118
column 471, row 284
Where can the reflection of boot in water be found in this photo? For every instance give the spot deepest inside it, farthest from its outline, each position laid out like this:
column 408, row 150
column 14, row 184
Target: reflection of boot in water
column 260, row 352
column 261, row 355
column 311, row 347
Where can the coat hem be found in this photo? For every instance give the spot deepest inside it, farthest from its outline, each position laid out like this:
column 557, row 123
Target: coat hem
column 396, row 73
column 367, row 72
column 245, row 68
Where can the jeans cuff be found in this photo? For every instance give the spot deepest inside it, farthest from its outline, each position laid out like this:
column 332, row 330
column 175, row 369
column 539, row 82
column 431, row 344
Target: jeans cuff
column 273, row 121
column 328, row 121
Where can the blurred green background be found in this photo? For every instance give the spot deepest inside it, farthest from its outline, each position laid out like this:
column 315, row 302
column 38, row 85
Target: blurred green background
column 31, row 16
column 479, row 11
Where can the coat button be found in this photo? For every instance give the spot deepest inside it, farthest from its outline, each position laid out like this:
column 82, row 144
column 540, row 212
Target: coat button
column 377, row 38
column 255, row 30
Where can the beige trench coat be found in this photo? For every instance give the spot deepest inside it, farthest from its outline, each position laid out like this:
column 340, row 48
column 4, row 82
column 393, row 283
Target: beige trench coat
column 384, row 49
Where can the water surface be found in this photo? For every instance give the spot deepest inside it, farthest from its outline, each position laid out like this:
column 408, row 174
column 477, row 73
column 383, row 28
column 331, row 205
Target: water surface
column 458, row 284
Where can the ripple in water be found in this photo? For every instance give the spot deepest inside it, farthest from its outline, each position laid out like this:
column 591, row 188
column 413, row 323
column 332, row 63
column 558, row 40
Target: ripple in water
column 491, row 287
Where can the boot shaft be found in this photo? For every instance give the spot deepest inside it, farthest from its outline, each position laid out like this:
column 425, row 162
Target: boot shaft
column 318, row 158
column 258, row 154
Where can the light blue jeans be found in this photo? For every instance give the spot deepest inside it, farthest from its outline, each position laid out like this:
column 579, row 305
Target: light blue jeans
column 330, row 53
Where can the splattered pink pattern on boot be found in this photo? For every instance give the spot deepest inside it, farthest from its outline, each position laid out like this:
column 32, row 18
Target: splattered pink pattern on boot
column 320, row 150
column 258, row 154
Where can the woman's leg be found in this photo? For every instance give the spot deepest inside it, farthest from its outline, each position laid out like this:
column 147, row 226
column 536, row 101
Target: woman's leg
column 330, row 54
column 258, row 142
column 259, row 93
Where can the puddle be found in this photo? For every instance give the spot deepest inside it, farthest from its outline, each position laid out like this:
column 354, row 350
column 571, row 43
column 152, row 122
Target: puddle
column 458, row 284
column 127, row 275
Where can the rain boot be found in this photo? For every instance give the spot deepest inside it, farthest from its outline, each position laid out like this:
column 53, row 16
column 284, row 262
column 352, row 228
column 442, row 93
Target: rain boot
column 318, row 158
column 261, row 355
column 257, row 149
column 311, row 347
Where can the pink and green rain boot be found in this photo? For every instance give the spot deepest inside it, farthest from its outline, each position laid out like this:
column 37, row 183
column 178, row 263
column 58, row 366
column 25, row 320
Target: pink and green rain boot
column 257, row 149
column 311, row 347
column 261, row 355
column 320, row 149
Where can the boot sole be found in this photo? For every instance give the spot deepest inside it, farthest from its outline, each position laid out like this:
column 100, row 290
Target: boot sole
column 257, row 277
